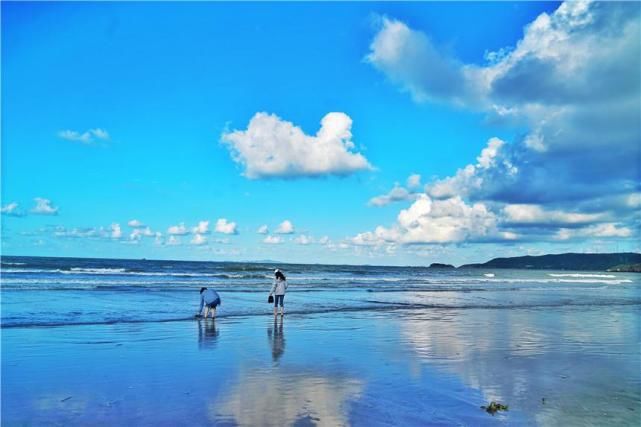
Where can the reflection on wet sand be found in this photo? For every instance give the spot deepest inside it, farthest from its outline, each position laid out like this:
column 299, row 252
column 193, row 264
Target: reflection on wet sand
column 57, row 405
column 281, row 398
column 286, row 396
column 276, row 338
column 207, row 333
column 523, row 356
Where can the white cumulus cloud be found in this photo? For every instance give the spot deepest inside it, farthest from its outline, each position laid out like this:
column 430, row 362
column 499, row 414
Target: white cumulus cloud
column 201, row 228
column 273, row 240
column 178, row 230
column 596, row 230
column 435, row 221
column 396, row 194
column 44, row 207
column 158, row 238
column 471, row 178
column 173, row 241
column 414, row 181
column 87, row 137
column 116, row 231
column 535, row 214
column 76, row 232
column 263, row 229
column 198, row 240
column 11, row 209
column 225, row 227
column 272, row 147
column 410, row 59
column 633, row 200
column 140, row 232
column 304, row 240
column 134, row 223
column 285, row 227
column 572, row 81
column 399, row 193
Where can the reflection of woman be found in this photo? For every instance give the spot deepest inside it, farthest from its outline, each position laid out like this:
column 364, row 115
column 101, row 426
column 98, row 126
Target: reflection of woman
column 277, row 339
column 278, row 290
column 207, row 333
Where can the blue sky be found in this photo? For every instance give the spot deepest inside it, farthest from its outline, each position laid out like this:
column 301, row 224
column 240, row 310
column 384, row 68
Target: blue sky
column 123, row 121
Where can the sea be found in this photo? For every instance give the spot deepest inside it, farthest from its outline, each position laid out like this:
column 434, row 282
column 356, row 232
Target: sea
column 38, row 291
column 114, row 342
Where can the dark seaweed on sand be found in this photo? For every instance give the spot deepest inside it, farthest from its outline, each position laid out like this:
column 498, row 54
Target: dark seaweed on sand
column 494, row 407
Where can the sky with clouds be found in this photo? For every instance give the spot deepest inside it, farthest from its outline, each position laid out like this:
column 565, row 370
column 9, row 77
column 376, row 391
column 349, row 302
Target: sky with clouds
column 366, row 133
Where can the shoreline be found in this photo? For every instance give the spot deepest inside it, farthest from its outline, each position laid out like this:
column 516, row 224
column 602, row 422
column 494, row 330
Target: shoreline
column 389, row 309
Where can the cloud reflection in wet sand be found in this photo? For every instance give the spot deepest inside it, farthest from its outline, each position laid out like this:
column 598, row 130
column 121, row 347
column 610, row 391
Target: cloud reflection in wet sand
column 573, row 359
column 282, row 398
column 60, row 404
column 289, row 395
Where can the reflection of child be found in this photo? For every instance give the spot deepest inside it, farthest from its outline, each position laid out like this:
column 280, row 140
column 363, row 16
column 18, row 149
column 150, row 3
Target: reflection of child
column 207, row 333
column 210, row 299
column 277, row 338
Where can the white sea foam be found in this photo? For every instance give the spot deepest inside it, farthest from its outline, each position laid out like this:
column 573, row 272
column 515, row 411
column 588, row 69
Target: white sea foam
column 578, row 275
column 124, row 272
column 95, row 270
column 609, row 282
column 185, row 274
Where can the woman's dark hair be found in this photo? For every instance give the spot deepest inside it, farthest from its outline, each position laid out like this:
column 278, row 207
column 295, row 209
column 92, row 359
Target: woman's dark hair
column 202, row 290
column 280, row 275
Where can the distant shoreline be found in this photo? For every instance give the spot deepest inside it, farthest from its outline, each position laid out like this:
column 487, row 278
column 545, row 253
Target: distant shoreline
column 623, row 262
column 619, row 262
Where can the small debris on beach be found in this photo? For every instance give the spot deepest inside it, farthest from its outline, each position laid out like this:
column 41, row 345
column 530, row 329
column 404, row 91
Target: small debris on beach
column 494, row 407
column 66, row 398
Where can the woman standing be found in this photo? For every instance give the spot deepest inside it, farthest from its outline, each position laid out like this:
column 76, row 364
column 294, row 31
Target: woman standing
column 278, row 290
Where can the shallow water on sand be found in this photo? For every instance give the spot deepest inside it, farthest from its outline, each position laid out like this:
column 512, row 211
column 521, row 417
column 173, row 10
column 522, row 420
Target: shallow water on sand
column 552, row 366
column 71, row 291
column 114, row 342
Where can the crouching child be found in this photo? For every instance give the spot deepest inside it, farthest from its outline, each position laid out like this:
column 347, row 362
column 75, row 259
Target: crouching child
column 210, row 300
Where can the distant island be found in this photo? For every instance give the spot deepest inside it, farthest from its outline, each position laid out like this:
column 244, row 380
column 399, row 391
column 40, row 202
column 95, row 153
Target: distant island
column 439, row 265
column 619, row 262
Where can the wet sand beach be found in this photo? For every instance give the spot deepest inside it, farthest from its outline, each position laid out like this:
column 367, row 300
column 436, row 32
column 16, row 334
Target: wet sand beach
column 551, row 366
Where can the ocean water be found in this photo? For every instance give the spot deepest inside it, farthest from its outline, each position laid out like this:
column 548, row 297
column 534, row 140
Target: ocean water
column 114, row 342
column 69, row 291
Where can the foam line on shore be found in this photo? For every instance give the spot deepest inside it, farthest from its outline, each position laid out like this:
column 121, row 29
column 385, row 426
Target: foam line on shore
column 380, row 306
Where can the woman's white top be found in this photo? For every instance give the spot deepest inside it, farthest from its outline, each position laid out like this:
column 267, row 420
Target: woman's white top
column 279, row 287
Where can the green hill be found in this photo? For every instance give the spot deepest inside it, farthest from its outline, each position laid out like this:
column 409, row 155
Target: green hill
column 569, row 261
